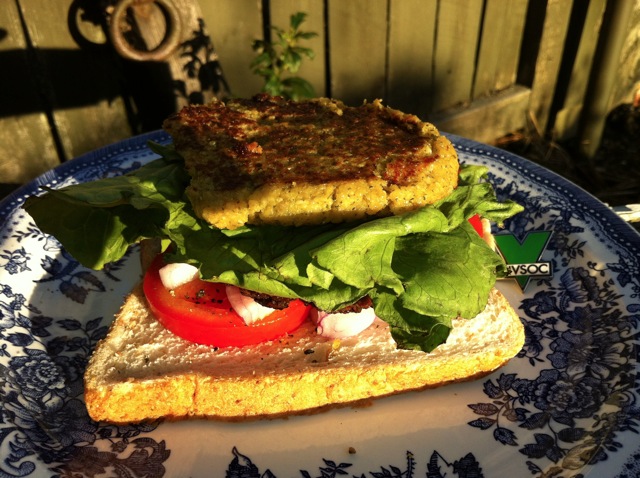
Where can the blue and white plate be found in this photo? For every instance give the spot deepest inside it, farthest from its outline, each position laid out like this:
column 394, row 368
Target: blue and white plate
column 567, row 406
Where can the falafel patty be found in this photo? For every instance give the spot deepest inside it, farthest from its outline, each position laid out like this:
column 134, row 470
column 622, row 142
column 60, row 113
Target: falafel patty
column 267, row 160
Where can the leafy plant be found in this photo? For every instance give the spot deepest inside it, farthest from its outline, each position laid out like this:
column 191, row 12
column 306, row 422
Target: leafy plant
column 284, row 56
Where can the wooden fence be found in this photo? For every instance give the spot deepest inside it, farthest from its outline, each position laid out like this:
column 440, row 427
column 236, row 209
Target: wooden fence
column 478, row 68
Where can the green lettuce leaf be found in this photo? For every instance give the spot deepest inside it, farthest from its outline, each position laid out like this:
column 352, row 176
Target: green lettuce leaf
column 96, row 222
column 421, row 269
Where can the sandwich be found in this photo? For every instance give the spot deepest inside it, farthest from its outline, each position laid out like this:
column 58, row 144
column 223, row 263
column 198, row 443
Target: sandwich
column 298, row 256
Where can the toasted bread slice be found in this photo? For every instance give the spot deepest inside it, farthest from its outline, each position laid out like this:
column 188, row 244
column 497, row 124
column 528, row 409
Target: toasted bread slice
column 267, row 160
column 142, row 371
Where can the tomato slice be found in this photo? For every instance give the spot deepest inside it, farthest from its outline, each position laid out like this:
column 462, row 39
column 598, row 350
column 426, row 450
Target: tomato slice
column 476, row 222
column 200, row 312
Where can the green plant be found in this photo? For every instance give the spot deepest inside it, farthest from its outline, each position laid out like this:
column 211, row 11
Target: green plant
column 284, row 56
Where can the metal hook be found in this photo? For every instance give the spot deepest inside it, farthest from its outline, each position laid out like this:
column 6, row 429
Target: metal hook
column 166, row 47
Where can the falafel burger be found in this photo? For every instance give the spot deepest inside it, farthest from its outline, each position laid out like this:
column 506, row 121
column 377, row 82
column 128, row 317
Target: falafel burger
column 316, row 253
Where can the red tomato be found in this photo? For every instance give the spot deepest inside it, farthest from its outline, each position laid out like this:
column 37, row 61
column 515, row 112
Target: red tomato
column 476, row 222
column 199, row 311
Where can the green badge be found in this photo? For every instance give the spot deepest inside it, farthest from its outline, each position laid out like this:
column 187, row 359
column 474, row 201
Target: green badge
column 523, row 257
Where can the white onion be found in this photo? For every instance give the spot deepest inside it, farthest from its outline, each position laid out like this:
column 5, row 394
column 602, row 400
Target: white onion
column 177, row 273
column 340, row 325
column 486, row 233
column 245, row 306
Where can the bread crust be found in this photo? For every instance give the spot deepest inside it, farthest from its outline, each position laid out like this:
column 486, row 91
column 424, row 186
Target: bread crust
column 267, row 160
column 141, row 371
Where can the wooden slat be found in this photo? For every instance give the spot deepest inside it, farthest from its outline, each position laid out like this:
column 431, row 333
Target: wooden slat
column 233, row 25
column 411, row 42
column 568, row 118
column 515, row 12
column 357, row 42
column 627, row 85
column 499, row 51
column 314, row 70
column 556, row 23
column 27, row 148
column 457, row 35
column 488, row 118
column 598, row 105
column 84, row 89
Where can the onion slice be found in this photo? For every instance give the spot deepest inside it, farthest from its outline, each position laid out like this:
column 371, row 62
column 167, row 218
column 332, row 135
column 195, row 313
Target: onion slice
column 487, row 235
column 176, row 274
column 246, row 307
column 338, row 325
